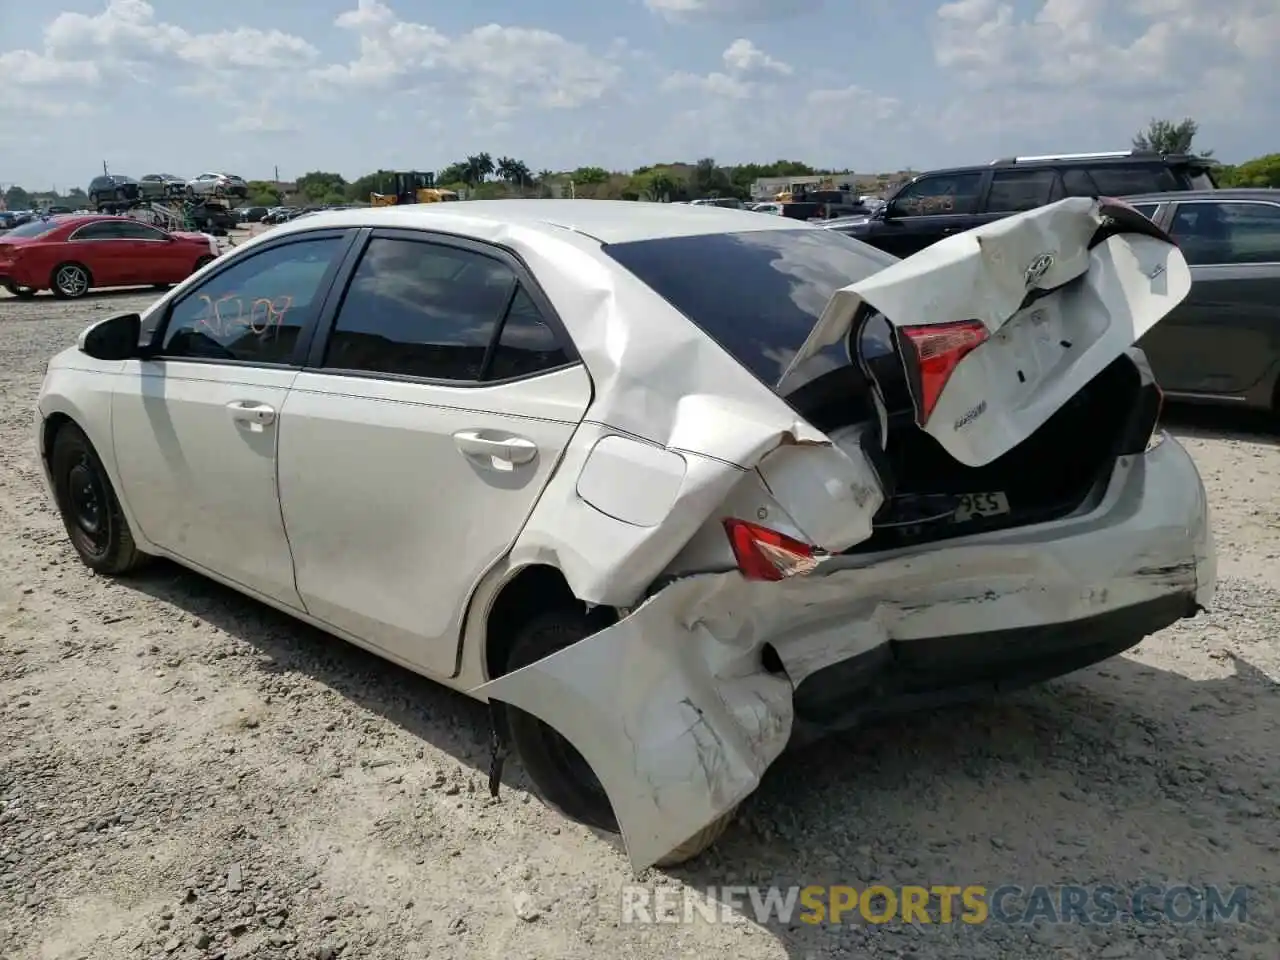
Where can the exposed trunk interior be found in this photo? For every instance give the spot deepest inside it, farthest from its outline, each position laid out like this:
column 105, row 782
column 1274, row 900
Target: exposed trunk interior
column 1047, row 476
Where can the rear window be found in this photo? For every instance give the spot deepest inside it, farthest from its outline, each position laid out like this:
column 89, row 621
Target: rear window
column 758, row 294
column 1125, row 180
column 33, row 228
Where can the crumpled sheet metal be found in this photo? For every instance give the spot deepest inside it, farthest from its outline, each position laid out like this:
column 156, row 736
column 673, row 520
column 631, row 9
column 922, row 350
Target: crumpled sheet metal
column 677, row 717
column 980, row 274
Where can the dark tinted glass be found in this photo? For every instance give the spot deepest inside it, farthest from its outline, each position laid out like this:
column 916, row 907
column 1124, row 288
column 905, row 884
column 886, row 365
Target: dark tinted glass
column 758, row 294
column 1122, row 180
column 420, row 310
column 1078, row 183
column 254, row 309
column 132, row 230
column 941, row 193
column 102, row 230
column 1148, row 210
column 1228, row 233
column 527, row 344
column 1013, row 191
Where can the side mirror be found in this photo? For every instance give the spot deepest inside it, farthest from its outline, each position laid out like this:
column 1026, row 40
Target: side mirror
column 116, row 338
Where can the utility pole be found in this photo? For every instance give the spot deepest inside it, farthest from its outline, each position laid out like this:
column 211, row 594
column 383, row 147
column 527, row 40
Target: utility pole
column 104, row 167
column 277, row 174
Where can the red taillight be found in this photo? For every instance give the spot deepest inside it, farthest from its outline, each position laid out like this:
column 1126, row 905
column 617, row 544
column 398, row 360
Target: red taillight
column 935, row 352
column 765, row 554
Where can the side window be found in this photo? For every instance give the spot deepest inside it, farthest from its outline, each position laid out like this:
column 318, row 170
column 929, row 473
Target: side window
column 526, row 344
column 102, row 230
column 1078, row 183
column 1148, row 210
column 254, row 309
column 420, row 309
column 1124, row 180
column 133, row 230
column 938, row 194
column 1013, row 191
column 1228, row 233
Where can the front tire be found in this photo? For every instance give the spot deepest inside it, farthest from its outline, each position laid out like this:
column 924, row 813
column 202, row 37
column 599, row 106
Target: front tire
column 561, row 777
column 70, row 281
column 88, row 505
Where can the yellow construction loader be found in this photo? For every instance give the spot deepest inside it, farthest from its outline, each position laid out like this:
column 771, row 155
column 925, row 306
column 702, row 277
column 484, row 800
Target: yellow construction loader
column 412, row 187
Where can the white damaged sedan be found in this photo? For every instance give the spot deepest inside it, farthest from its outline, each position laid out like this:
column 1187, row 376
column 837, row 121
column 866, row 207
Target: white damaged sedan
column 666, row 486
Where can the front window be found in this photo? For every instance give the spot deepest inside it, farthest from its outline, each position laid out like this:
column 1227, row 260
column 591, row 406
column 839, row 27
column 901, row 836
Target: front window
column 781, row 280
column 938, row 194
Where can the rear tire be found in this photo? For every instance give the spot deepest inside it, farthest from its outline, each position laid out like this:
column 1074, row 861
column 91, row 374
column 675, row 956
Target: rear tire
column 561, row 777
column 88, row 505
column 70, row 281
column 22, row 293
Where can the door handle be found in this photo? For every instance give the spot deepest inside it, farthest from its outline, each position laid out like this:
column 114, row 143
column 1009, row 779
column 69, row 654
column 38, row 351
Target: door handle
column 474, row 443
column 252, row 412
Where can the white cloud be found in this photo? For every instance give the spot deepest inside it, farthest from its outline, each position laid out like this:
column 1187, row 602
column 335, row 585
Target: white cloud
column 745, row 57
column 503, row 69
column 126, row 40
column 1068, row 48
column 733, row 10
column 744, row 60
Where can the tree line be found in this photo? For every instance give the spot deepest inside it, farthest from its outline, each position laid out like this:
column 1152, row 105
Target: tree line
column 482, row 176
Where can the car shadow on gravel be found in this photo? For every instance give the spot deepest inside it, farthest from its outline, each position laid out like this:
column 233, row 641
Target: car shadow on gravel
column 1225, row 423
column 435, row 714
column 107, row 294
column 1114, row 774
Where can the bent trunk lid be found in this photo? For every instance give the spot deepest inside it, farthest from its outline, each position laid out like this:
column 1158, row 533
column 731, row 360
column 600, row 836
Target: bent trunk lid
column 1058, row 305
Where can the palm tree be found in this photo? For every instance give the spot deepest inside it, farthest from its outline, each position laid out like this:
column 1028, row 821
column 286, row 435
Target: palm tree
column 479, row 166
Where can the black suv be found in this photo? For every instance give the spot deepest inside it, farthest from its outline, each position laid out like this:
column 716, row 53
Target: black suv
column 942, row 202
column 112, row 189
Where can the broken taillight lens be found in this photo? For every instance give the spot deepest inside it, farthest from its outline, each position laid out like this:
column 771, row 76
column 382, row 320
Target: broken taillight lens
column 931, row 353
column 765, row 554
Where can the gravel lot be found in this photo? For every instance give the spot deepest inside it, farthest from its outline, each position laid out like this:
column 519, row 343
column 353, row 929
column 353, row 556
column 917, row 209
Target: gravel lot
column 185, row 773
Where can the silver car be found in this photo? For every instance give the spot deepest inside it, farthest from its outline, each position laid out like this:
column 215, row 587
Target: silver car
column 220, row 185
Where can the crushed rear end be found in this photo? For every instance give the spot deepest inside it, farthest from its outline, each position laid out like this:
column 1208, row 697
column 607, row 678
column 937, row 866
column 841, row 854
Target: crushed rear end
column 996, row 506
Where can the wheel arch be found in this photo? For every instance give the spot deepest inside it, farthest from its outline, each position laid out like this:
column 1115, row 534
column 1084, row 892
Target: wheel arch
column 53, row 273
column 57, row 410
column 524, row 593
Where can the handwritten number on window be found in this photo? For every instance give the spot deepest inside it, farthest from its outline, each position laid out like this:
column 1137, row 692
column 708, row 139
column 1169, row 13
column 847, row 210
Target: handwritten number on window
column 226, row 316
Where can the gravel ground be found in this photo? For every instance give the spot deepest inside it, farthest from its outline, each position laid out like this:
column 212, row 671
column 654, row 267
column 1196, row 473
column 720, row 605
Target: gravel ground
column 185, row 773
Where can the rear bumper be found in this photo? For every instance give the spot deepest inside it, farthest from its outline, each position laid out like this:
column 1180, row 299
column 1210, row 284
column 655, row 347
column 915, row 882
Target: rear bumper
column 901, row 677
column 681, row 706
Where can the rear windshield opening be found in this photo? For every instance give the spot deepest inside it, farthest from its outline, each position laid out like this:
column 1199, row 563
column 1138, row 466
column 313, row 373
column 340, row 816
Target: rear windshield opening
column 756, row 293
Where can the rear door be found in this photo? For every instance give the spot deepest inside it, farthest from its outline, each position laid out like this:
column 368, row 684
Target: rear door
column 419, row 438
column 1002, row 325
column 1225, row 337
column 100, row 246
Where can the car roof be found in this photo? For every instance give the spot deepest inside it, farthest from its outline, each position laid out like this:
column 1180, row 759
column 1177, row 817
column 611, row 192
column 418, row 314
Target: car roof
column 609, row 221
column 1232, row 193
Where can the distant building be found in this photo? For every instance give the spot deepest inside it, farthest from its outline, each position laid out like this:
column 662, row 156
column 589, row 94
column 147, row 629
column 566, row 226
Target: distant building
column 766, row 188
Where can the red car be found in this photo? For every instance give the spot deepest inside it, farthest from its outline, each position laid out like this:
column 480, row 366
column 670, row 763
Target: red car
column 70, row 255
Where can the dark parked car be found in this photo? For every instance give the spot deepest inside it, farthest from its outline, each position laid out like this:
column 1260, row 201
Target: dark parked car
column 251, row 214
column 162, row 186
column 1221, row 344
column 113, row 189
column 942, row 202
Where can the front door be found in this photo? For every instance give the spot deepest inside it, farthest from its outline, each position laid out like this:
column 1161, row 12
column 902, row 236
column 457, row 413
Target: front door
column 413, row 452
column 925, row 211
column 150, row 256
column 195, row 428
column 1225, row 337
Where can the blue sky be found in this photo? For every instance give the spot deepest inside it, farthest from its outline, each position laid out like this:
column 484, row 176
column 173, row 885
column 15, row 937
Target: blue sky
column 178, row 86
